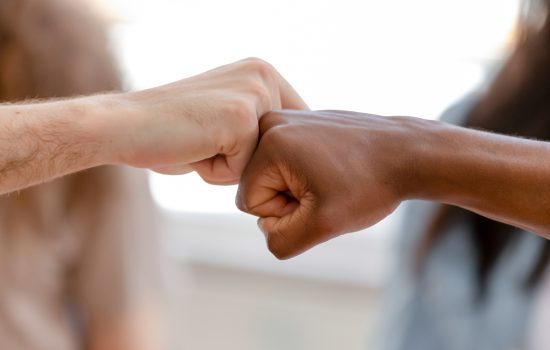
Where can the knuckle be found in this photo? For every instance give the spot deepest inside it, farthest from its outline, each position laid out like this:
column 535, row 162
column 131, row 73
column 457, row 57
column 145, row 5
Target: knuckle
column 211, row 180
column 238, row 108
column 325, row 227
column 262, row 95
column 278, row 246
column 281, row 255
column 241, row 116
column 257, row 63
column 267, row 121
column 240, row 204
column 275, row 120
column 281, row 242
column 264, row 69
column 241, row 199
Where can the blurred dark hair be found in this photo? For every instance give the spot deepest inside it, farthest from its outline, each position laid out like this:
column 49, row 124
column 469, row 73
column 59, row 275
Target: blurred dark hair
column 517, row 103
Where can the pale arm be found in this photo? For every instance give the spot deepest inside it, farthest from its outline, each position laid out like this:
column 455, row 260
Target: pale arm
column 42, row 141
column 207, row 123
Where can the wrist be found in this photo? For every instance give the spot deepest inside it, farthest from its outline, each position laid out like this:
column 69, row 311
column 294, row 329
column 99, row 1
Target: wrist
column 151, row 128
column 426, row 169
column 41, row 141
column 105, row 119
column 453, row 165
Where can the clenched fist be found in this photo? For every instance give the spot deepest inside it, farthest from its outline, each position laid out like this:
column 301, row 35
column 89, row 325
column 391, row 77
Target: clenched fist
column 207, row 123
column 317, row 175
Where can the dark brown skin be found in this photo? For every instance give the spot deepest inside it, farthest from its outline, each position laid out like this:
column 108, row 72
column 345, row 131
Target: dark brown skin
column 317, row 175
column 301, row 183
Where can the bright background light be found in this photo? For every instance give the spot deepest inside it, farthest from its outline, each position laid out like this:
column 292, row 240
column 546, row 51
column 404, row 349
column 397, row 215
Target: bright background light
column 391, row 57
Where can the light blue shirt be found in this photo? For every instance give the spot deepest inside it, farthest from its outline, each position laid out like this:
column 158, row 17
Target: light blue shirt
column 439, row 310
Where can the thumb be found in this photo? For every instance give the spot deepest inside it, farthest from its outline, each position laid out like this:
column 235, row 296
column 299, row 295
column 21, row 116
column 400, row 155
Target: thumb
column 262, row 189
column 216, row 171
column 270, row 189
column 226, row 169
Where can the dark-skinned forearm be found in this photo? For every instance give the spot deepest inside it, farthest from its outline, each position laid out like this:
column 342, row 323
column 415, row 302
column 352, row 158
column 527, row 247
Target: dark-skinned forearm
column 501, row 177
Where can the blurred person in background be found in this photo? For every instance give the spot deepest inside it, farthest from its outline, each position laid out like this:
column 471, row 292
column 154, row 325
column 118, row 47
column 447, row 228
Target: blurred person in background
column 79, row 256
column 464, row 281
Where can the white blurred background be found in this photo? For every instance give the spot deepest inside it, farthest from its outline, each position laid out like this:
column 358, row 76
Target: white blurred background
column 389, row 57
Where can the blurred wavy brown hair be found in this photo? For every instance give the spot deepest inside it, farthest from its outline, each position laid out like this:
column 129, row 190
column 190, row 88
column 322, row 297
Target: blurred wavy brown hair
column 54, row 49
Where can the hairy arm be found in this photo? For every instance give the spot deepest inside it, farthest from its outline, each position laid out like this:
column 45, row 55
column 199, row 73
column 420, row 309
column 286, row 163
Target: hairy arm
column 207, row 123
column 42, row 141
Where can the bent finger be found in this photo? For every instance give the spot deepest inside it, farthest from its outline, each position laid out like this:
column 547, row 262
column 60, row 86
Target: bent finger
column 290, row 99
column 216, row 171
column 179, row 169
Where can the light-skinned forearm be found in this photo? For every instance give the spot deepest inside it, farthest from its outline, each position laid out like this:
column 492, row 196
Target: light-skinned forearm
column 501, row 177
column 207, row 123
column 42, row 141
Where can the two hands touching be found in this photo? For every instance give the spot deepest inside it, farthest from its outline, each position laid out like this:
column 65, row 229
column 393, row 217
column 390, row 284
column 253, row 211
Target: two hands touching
column 310, row 176
column 207, row 123
column 297, row 179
